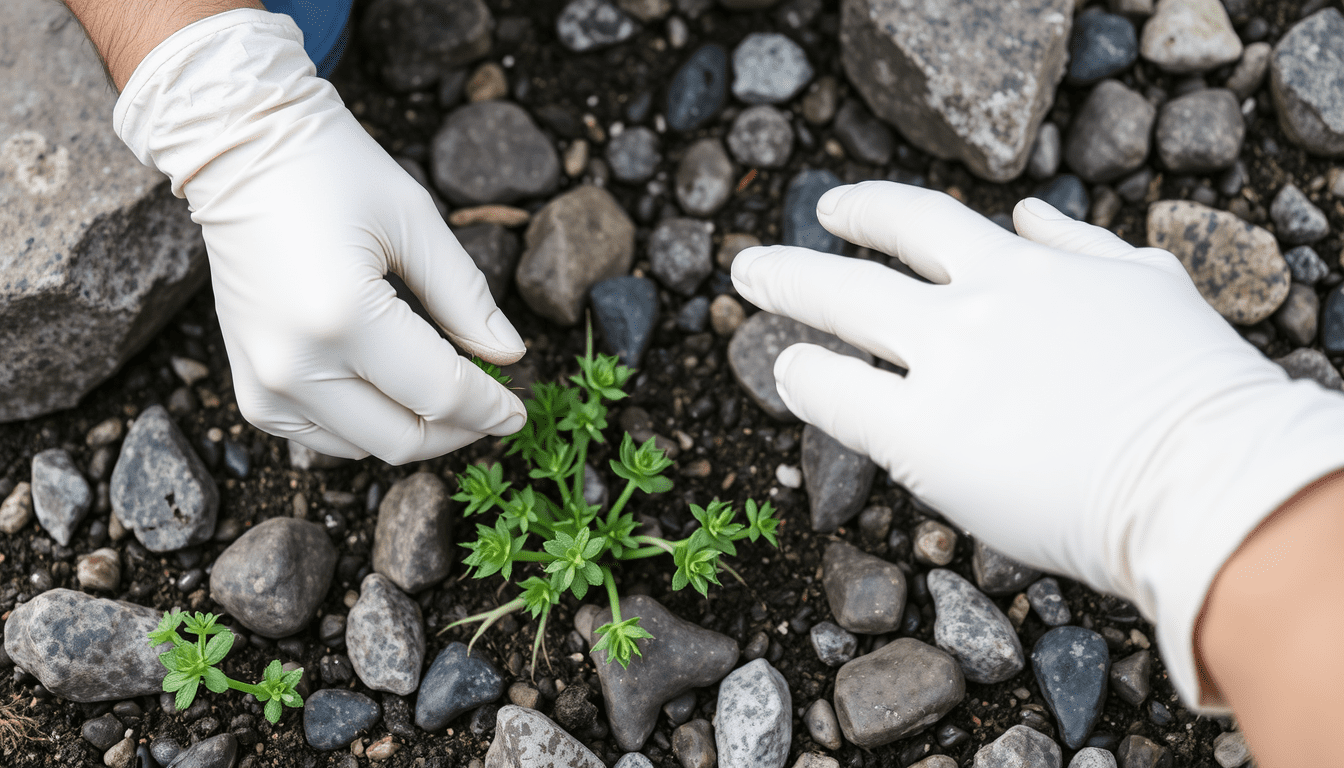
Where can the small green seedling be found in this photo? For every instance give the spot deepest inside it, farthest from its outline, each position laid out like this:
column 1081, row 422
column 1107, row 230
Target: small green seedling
column 579, row 544
column 190, row 663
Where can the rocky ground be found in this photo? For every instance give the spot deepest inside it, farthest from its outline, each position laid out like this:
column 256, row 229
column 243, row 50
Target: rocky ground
column 617, row 160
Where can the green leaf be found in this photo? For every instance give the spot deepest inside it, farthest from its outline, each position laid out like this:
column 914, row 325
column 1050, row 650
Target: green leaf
column 492, row 370
column 216, row 680
column 273, row 710
column 292, row 678
column 618, row 640
column 166, row 632
column 218, row 647
column 203, row 624
column 186, row 694
column 642, row 465
column 174, row 681
column 291, row 699
column 761, row 521
column 538, row 595
column 482, row 489
column 274, row 672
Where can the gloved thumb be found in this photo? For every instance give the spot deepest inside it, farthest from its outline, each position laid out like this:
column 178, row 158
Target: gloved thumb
column 1040, row 222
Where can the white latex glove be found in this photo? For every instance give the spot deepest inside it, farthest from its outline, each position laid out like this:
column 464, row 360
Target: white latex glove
column 303, row 213
column 1071, row 400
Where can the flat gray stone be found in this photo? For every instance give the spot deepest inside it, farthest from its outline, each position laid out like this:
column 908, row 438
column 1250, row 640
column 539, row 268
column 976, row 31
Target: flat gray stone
column 1071, row 664
column 753, row 722
column 98, row 254
column 984, row 107
column 1020, row 746
column 334, row 717
column 838, row 480
column 492, row 152
column 1304, row 80
column 1109, row 136
column 998, row 574
column 415, row 42
column 61, row 496
column 1235, row 265
column 273, row 578
column 971, row 627
column 577, row 240
column 866, row 594
column 681, row 656
column 525, row 738
column 385, row 637
column 757, row 343
column 1201, row 132
column 85, row 648
column 1189, row 36
column 898, row 690
column 413, row 542
column 161, row 490
column 455, row 683
column 681, row 253
column 704, row 180
column 769, row 68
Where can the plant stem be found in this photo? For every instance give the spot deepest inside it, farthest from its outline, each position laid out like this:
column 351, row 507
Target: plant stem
column 243, row 687
column 528, row 556
column 643, row 552
column 621, row 502
column 610, row 583
column 667, row 546
column 580, row 466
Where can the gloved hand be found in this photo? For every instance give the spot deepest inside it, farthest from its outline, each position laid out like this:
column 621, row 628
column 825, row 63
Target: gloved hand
column 1071, row 400
column 303, row 213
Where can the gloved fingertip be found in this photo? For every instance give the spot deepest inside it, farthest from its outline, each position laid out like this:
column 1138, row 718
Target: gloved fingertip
column 782, row 365
column 1042, row 210
column 510, row 425
column 829, row 201
column 506, row 336
column 742, row 264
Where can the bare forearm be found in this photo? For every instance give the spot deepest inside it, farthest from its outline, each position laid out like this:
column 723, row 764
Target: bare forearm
column 124, row 32
column 1271, row 627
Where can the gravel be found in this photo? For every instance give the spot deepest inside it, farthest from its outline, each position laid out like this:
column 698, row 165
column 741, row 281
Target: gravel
column 753, row 720
column 704, row 179
column 866, row 593
column 681, row 253
column 455, row 683
column 1189, row 36
column 625, row 310
column 1201, row 132
column 699, row 88
column 385, row 637
column 761, row 137
column 972, row 629
column 274, row 577
column 769, row 68
column 333, row 718
column 898, row 690
column 412, row 544
column 1296, row 220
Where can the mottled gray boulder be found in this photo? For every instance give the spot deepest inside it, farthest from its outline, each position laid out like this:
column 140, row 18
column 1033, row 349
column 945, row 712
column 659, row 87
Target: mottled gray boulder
column 525, row 738
column 681, row 656
column 998, row 574
column 161, row 490
column 1020, row 746
column 85, row 648
column 838, row 480
column 866, row 593
column 455, row 683
column 579, row 239
column 704, row 178
column 412, row 544
column 1304, row 77
column 753, row 722
column 98, row 254
column 1236, row 265
column 983, row 107
column 273, row 578
column 1109, row 137
column 385, row 637
column 416, row 42
column 971, row 627
column 1200, row 132
column 899, row 689
column 757, row 343
column 60, row 494
column 1189, row 36
column 492, row 152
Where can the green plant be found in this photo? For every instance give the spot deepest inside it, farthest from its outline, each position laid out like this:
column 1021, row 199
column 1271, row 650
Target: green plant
column 579, row 544
column 190, row 663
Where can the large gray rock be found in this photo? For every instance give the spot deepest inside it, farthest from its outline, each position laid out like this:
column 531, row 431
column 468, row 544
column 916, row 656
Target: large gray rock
column 1200, row 132
column 525, row 738
column 412, row 544
column 1304, row 77
column 385, row 637
column 492, row 152
column 161, row 490
column 982, row 106
column 60, row 494
column 1189, row 36
column 1236, row 265
column 578, row 240
column 757, row 343
column 754, row 720
column 85, row 648
column 866, row 593
column 971, row 627
column 899, row 689
column 416, row 42
column 273, row 578
column 838, row 480
column 1109, row 137
column 95, row 252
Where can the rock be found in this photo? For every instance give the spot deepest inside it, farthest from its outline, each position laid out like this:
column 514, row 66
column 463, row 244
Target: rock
column 934, row 543
column 385, row 637
column 1296, row 317
column 864, row 137
column 1311, row 364
column 814, row 760
column 524, row 695
column 726, row 315
column 121, row 754
column 1092, row 757
column 304, row 458
column 1305, row 265
column 215, row 752
column 693, row 317
column 761, row 137
column 102, row 732
column 698, row 89
column 838, row 480
column 495, row 251
column 17, row 509
column 580, row 238
column 833, row 645
column 866, row 594
column 633, row 154
column 646, row 10
column 274, row 578
column 1048, row 602
column 1189, row 36
column 416, row 42
column 681, row 253
column 488, row 82
column 161, row 490
column 681, row 656
column 1068, row 195
column 998, row 574
column 747, row 5
column 100, row 570
column 704, row 179
column 1139, row 752
column 1308, row 100
column 626, row 309
column 875, row 523
column 99, row 254
column 971, row 628
column 85, row 648
column 1246, row 79
column 573, row 710
column 525, row 738
column 757, row 343
column 821, row 100
column 1130, row 677
column 1103, row 45
column 822, row 725
column 935, row 761
column 693, row 744
column 589, row 25
column 1230, row 749
column 1332, row 322
column 60, row 494
column 492, row 152
column 897, row 690
column 456, row 683
column 633, row 760
column 492, row 213
column 753, row 721
column 1019, row 746
column 800, row 226
column 412, row 544
column 1071, row 664
column 983, row 109
column 332, row 718
column 769, row 68
column 165, row 750
column 1132, row 7
column 1046, row 153
column 1296, row 220
column 1235, row 265
column 1200, row 132
column 680, row 709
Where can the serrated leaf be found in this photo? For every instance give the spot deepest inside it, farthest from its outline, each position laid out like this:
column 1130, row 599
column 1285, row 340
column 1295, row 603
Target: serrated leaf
column 216, row 680
column 186, row 694
column 174, row 681
column 274, row 710
column 218, row 647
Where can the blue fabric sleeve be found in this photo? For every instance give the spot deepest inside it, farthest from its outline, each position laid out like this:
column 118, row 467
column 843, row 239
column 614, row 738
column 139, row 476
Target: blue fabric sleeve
column 325, row 25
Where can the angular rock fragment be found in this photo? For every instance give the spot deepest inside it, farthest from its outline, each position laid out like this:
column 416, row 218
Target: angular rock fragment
column 161, row 490
column 838, row 480
column 897, row 690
